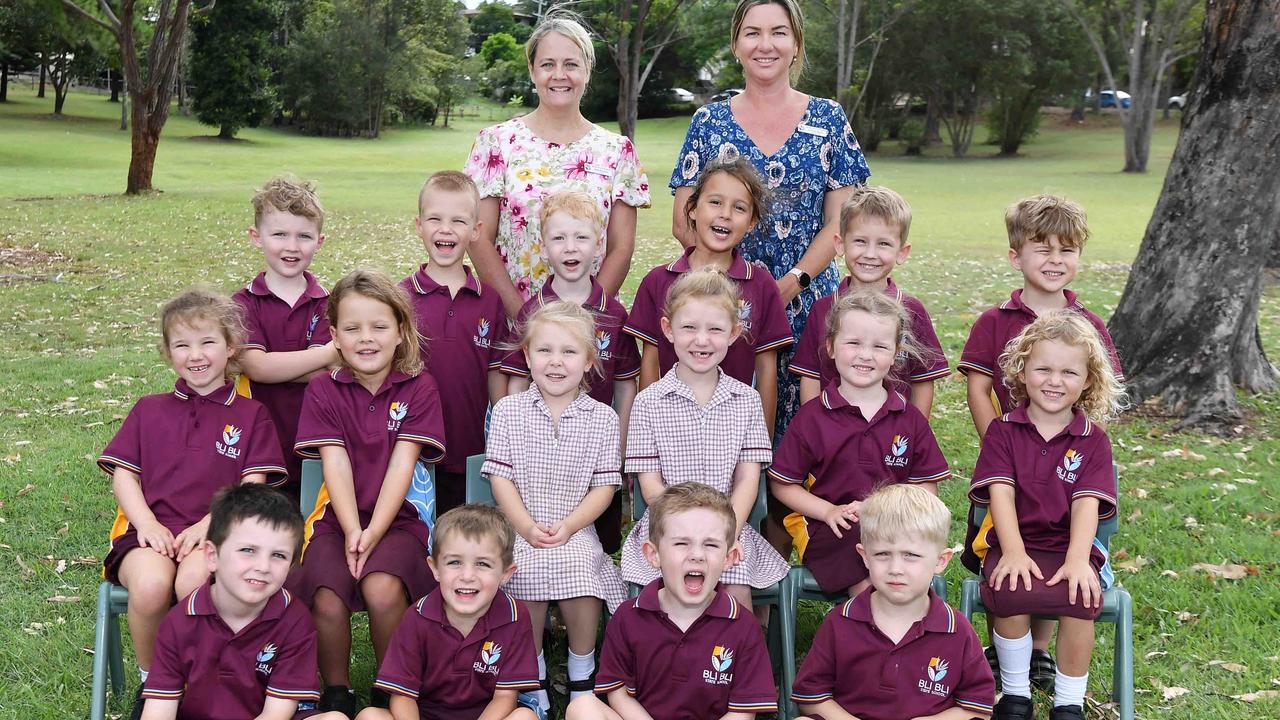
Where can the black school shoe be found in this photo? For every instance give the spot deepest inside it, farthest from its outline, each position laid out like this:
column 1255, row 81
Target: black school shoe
column 379, row 698
column 1014, row 707
column 1067, row 712
column 1043, row 671
column 338, row 698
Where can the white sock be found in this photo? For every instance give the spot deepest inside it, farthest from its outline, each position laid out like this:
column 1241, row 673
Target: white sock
column 580, row 668
column 143, row 674
column 1015, row 664
column 1069, row 690
column 544, row 700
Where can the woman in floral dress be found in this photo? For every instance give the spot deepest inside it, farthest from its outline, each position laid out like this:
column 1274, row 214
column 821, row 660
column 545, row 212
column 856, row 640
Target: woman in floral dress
column 517, row 163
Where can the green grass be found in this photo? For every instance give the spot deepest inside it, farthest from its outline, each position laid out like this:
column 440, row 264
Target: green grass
column 80, row 344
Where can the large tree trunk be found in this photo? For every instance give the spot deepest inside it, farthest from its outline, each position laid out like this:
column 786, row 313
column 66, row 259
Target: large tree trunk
column 1187, row 325
column 145, row 141
column 44, row 73
column 4, row 82
column 630, row 45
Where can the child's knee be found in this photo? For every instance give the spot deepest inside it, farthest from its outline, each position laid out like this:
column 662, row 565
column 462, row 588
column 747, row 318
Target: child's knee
column 586, row 707
column 373, row 713
column 383, row 594
column 326, row 605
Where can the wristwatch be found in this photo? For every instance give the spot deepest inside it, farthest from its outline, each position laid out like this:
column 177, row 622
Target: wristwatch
column 801, row 276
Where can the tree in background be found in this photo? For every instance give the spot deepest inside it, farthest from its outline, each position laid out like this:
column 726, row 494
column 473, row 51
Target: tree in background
column 1152, row 36
column 500, row 47
column 1187, row 324
column 150, row 77
column 496, row 17
column 230, row 46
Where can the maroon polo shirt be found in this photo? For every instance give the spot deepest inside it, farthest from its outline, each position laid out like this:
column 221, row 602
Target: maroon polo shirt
column 619, row 357
column 185, row 447
column 1002, row 323
column 937, row 665
column 719, row 665
column 463, row 337
column 849, row 456
column 813, row 361
column 221, row 675
column 275, row 326
column 760, row 310
column 454, row 677
column 339, row 411
column 1047, row 475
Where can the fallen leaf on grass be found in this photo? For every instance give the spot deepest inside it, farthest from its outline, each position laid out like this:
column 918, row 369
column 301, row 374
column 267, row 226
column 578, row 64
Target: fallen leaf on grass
column 63, row 599
column 1190, row 522
column 61, row 567
column 1174, row 692
column 1134, row 565
column 1226, row 571
column 1154, row 655
column 1228, row 666
column 26, row 490
column 1256, row 696
column 1185, row 616
column 1139, row 492
column 1168, row 573
column 1215, row 471
column 1184, row 453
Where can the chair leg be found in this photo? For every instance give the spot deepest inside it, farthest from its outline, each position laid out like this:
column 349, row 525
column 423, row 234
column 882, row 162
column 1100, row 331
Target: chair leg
column 1122, row 672
column 970, row 597
column 101, row 649
column 115, row 654
column 787, row 608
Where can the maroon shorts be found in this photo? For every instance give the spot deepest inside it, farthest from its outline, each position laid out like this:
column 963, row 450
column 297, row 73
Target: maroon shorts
column 123, row 545
column 324, row 564
column 1041, row 599
column 609, row 525
column 834, row 561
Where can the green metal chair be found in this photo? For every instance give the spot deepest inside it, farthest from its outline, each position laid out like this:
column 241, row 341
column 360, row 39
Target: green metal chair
column 113, row 601
column 1117, row 608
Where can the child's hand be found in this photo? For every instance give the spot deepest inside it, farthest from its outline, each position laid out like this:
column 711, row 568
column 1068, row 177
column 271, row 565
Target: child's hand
column 852, row 510
column 157, row 537
column 837, row 519
column 734, row 557
column 537, row 536
column 1079, row 575
column 1015, row 566
column 352, row 549
column 368, row 540
column 190, row 540
column 557, row 535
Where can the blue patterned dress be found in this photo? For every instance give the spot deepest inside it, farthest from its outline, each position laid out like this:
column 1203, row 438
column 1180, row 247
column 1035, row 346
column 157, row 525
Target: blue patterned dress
column 821, row 154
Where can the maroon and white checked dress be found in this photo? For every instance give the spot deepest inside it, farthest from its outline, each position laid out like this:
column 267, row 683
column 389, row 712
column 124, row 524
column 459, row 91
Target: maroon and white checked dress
column 672, row 435
column 554, row 468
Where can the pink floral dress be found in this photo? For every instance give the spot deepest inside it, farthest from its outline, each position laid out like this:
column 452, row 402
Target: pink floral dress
column 509, row 162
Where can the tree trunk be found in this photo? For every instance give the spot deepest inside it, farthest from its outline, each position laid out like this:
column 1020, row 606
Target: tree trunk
column 4, row 82
column 113, row 79
column 43, row 74
column 1187, row 325
column 142, row 162
column 227, row 132
column 931, row 132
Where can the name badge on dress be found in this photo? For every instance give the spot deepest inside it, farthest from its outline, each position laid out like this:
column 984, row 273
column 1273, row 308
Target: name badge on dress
column 595, row 169
column 811, row 130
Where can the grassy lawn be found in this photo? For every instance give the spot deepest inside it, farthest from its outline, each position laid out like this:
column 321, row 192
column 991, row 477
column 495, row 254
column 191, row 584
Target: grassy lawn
column 80, row 295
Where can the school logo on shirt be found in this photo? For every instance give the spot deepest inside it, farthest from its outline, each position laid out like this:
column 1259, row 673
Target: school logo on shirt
column 311, row 329
column 897, row 456
column 490, row 653
column 744, row 314
column 603, row 339
column 1070, row 463
column 481, row 338
column 936, row 671
column 397, row 412
column 721, row 660
column 230, row 436
column 264, row 658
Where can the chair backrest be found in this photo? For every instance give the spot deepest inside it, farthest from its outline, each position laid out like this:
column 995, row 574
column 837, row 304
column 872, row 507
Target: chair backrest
column 312, row 479
column 758, row 511
column 479, row 491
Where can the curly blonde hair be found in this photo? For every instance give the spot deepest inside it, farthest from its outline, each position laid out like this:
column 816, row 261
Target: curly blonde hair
column 1103, row 396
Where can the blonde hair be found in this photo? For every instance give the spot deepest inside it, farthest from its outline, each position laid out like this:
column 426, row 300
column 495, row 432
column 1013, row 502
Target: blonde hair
column 573, row 319
column 900, row 510
column 288, row 194
column 200, row 304
column 567, row 24
column 1035, row 218
column 1103, row 396
column 690, row 496
column 739, row 168
column 575, row 204
column 477, row 523
column 879, row 202
column 707, row 284
column 878, row 305
column 376, row 286
column 795, row 16
column 453, row 181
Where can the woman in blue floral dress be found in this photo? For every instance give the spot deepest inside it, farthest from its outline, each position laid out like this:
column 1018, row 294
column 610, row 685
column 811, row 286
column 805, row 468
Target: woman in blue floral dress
column 802, row 146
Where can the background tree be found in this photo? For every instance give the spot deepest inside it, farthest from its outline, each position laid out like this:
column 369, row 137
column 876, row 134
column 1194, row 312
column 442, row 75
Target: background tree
column 230, row 47
column 1187, row 324
column 496, row 17
column 500, row 47
column 1153, row 35
column 149, row 78
column 638, row 32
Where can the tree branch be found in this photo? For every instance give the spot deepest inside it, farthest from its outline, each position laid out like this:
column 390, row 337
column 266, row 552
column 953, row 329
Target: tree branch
column 85, row 14
column 106, row 10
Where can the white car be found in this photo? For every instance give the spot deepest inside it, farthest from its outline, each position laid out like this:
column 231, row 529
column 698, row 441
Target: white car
column 682, row 95
column 1178, row 102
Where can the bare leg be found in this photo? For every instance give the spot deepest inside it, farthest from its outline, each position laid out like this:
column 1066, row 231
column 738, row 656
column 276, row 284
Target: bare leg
column 333, row 637
column 1075, row 646
column 537, row 618
column 193, row 571
column 149, row 577
column 385, row 599
column 1041, row 633
column 589, row 707
column 581, row 620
